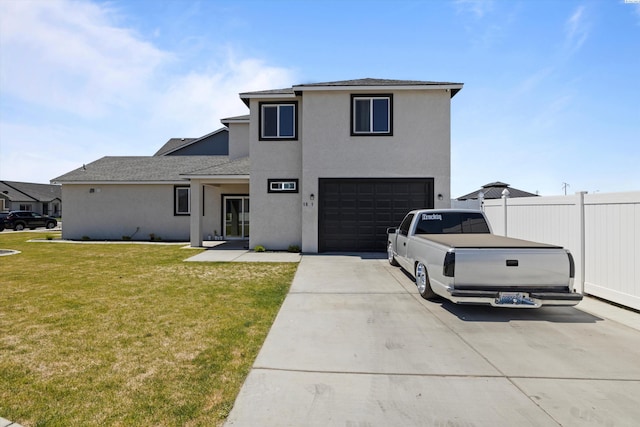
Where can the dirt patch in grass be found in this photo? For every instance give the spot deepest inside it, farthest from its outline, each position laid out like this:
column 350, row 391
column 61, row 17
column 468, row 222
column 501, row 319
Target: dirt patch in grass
column 128, row 334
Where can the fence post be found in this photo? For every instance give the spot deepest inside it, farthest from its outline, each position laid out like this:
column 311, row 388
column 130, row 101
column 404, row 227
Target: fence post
column 505, row 196
column 581, row 257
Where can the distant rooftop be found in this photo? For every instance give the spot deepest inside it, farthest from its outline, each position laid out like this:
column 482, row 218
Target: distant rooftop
column 494, row 190
column 29, row 191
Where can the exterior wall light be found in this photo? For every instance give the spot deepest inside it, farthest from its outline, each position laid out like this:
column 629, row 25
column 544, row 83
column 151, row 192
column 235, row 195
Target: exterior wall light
column 312, row 197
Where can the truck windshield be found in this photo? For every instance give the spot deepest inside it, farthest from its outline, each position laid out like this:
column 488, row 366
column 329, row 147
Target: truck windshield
column 452, row 223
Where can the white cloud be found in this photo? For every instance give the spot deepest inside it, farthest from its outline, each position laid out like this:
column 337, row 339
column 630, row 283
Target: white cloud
column 576, row 29
column 72, row 56
column 76, row 85
column 479, row 8
column 196, row 102
column 534, row 81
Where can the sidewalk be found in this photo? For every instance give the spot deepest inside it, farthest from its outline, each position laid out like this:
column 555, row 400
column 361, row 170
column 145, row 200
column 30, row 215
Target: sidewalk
column 235, row 251
column 7, row 423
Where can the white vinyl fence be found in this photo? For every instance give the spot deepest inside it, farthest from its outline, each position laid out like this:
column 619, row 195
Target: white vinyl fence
column 602, row 231
column 465, row 204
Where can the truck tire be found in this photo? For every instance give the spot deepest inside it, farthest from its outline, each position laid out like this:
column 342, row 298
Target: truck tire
column 392, row 259
column 423, row 283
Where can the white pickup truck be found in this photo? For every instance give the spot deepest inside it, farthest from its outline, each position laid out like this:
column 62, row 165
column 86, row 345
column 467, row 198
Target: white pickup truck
column 453, row 254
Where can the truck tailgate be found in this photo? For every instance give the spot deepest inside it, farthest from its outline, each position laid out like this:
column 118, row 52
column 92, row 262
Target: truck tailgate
column 496, row 268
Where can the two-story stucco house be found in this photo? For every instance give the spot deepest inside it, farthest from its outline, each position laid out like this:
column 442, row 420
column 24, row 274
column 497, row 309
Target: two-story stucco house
column 324, row 166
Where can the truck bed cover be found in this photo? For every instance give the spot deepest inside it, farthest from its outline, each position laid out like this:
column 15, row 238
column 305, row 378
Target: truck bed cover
column 483, row 240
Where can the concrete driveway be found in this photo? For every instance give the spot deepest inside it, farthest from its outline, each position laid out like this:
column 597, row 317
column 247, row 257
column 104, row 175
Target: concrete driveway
column 355, row 345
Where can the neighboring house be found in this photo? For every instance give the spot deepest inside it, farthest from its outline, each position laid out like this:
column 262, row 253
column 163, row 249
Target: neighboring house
column 494, row 190
column 332, row 166
column 490, row 191
column 45, row 199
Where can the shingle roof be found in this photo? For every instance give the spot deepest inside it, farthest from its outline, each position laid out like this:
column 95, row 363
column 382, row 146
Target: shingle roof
column 494, row 190
column 366, row 82
column 141, row 169
column 234, row 167
column 377, row 82
column 17, row 191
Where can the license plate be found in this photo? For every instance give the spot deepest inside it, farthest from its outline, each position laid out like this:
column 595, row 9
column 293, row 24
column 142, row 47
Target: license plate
column 514, row 298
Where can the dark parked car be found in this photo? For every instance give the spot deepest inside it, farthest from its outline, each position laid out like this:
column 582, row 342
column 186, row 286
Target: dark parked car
column 19, row 220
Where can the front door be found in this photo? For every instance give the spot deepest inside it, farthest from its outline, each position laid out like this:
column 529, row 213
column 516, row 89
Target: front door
column 236, row 217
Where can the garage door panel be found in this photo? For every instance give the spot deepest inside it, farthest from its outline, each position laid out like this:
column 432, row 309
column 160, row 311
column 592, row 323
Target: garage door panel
column 354, row 213
column 366, row 204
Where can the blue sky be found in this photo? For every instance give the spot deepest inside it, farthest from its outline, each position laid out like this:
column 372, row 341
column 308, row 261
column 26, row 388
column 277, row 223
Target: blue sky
column 551, row 88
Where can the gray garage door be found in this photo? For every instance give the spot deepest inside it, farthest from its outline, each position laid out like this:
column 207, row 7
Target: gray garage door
column 354, row 213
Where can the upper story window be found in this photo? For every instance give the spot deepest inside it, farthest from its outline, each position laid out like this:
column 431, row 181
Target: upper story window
column 278, row 120
column 372, row 114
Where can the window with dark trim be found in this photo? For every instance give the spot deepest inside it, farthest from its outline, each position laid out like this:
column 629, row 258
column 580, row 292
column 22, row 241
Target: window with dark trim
column 282, row 185
column 181, row 200
column 372, row 114
column 278, row 120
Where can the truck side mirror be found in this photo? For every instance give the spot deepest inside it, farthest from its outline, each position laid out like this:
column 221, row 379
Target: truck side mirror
column 391, row 230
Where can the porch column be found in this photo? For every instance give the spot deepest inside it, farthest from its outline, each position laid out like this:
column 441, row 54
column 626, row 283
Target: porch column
column 196, row 213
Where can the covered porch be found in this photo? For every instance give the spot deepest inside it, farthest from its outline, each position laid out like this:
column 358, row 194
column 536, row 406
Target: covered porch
column 219, row 203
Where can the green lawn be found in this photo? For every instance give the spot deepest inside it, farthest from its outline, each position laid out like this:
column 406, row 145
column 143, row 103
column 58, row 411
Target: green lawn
column 106, row 334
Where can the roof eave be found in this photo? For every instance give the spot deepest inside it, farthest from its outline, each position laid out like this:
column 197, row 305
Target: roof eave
column 453, row 88
column 247, row 97
column 226, row 178
column 382, row 87
column 231, row 121
column 105, row 182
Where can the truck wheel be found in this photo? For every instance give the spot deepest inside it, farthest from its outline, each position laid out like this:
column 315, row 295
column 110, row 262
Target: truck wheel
column 18, row 227
column 392, row 259
column 423, row 283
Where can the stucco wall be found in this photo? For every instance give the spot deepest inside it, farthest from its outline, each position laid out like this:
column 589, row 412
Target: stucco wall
column 238, row 140
column 419, row 146
column 277, row 224
column 113, row 211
